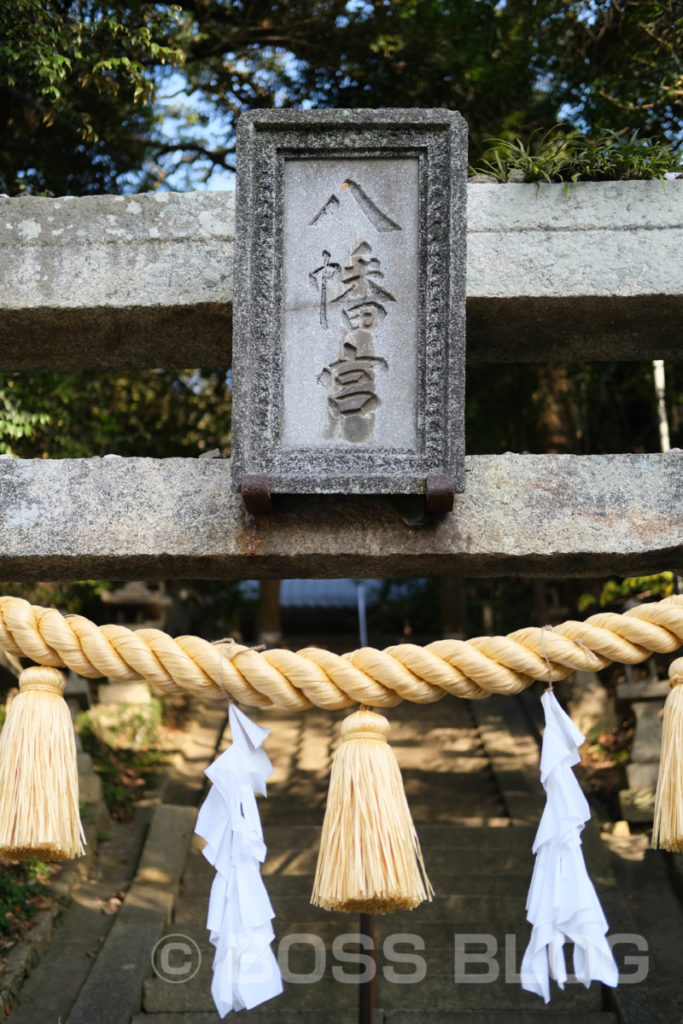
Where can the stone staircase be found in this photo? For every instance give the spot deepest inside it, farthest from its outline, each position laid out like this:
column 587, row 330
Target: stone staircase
column 453, row 959
column 481, row 876
column 471, row 772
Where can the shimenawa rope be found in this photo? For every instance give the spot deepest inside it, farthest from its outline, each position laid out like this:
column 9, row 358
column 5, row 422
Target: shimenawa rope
column 473, row 668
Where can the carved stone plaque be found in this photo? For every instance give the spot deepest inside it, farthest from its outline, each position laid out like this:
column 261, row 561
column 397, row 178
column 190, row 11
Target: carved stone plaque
column 349, row 300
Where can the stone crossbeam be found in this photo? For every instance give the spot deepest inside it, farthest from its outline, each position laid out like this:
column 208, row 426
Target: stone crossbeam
column 147, row 280
column 542, row 515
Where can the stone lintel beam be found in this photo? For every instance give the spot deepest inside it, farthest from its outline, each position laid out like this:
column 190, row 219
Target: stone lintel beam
column 147, row 280
column 532, row 515
column 593, row 273
column 116, row 281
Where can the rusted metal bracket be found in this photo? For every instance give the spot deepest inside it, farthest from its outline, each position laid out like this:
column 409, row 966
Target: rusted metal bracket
column 256, row 494
column 439, row 494
column 255, row 488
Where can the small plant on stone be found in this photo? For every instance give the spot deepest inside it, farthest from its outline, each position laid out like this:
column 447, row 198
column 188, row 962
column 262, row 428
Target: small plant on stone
column 545, row 157
column 565, row 154
column 124, row 726
column 22, row 893
column 127, row 750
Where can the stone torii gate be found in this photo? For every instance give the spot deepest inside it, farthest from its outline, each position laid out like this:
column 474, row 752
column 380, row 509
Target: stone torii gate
column 147, row 280
column 142, row 281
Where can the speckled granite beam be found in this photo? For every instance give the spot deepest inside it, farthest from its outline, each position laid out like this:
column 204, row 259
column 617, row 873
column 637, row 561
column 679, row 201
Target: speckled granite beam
column 147, row 280
column 543, row 515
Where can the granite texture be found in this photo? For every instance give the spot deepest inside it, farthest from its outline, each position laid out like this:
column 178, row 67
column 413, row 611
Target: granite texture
column 174, row 518
column 113, row 281
column 346, row 219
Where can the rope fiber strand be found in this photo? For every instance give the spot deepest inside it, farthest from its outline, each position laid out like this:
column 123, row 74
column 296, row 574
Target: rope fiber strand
column 310, row 677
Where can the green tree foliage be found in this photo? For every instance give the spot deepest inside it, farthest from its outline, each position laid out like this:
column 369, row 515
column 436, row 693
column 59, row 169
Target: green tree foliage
column 617, row 62
column 617, row 593
column 76, row 90
column 22, row 892
column 510, row 66
column 16, row 424
column 576, row 408
column 474, row 55
column 153, row 413
column 81, row 83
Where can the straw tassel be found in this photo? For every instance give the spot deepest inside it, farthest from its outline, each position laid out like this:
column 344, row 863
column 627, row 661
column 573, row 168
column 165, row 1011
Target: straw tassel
column 39, row 773
column 668, row 824
column 370, row 859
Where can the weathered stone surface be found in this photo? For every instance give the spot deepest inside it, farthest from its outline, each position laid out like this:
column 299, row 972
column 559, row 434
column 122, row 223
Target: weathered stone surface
column 272, row 1013
column 82, row 928
column 513, row 754
column 648, row 735
column 481, row 1017
column 637, row 805
column 310, row 186
column 442, row 993
column 642, row 775
column 147, row 280
column 77, row 692
column 590, row 705
column 116, row 281
column 350, row 290
column 532, row 514
column 89, row 784
column 113, row 988
column 124, row 693
column 593, row 274
column 165, row 851
column 21, row 958
column 644, row 689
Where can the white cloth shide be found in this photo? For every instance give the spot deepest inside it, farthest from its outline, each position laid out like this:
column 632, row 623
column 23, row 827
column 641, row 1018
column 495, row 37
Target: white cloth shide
column 245, row 970
column 562, row 904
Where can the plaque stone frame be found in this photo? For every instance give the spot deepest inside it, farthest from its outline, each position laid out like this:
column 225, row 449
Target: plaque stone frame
column 395, row 336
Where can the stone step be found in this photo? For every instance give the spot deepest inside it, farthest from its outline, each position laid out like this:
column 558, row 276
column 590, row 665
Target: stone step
column 441, row 993
column 550, row 1012
column 434, row 934
column 445, row 779
column 438, row 992
column 258, row 1015
column 452, row 775
column 279, row 1016
column 453, row 861
column 445, row 882
column 195, row 996
column 476, row 810
column 440, row 788
column 504, row 910
column 435, row 943
column 497, row 833
column 115, row 981
column 401, row 955
column 425, row 812
column 437, row 939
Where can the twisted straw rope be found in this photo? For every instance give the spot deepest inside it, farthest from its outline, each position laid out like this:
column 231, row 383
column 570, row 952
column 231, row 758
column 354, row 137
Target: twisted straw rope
column 474, row 668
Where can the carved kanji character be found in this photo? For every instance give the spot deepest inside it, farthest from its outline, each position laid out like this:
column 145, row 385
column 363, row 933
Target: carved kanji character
column 319, row 278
